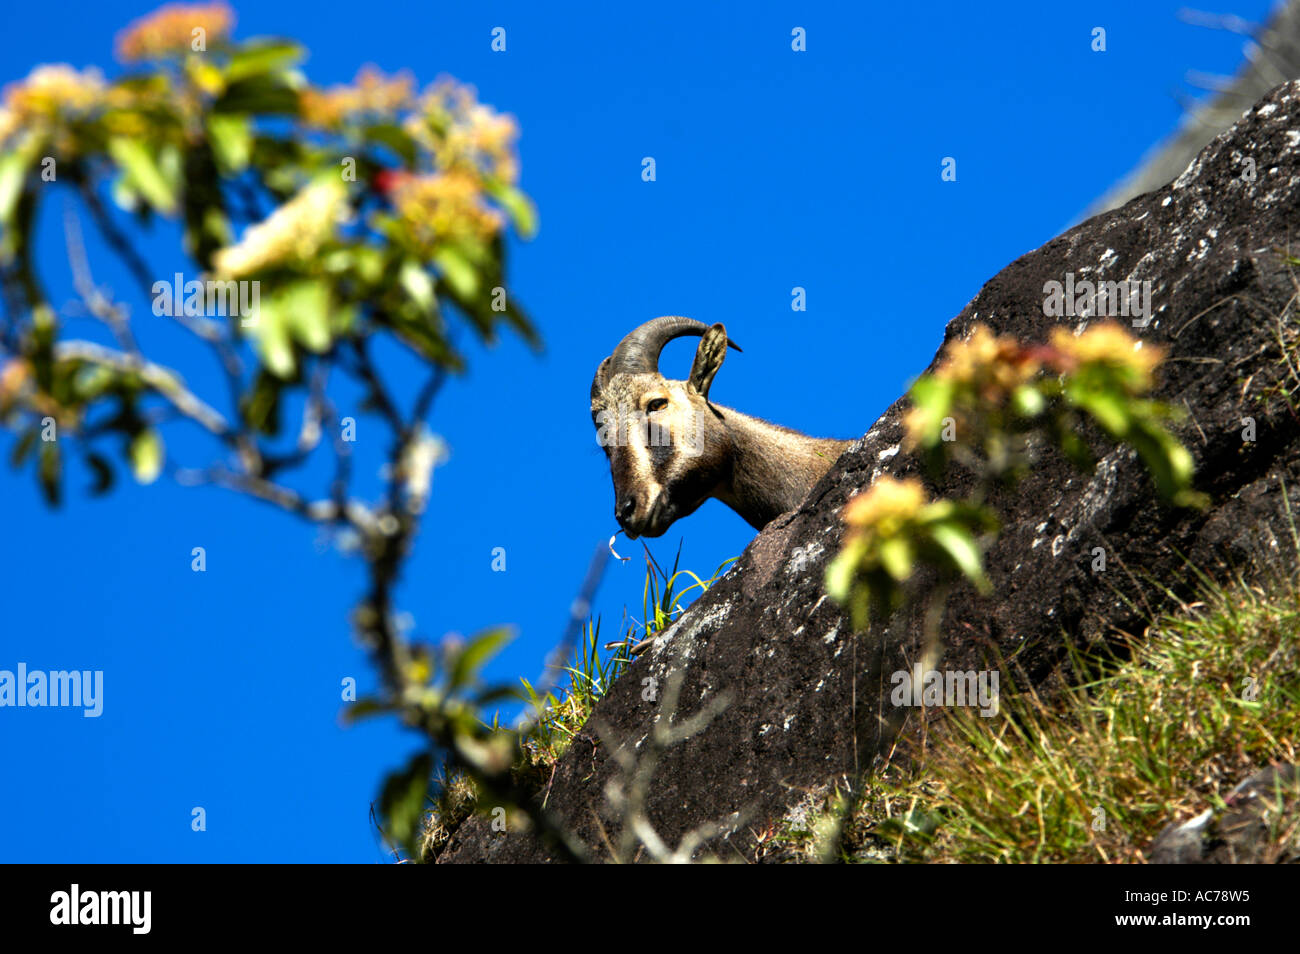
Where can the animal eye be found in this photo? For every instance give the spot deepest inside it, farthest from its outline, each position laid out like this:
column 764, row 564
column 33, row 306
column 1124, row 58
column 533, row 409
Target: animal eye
column 658, row 404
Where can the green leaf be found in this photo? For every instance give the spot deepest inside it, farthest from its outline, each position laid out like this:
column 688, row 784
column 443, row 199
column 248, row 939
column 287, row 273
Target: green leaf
column 475, row 654
column 261, row 56
column 171, row 166
column 962, row 549
column 231, row 136
column 403, row 799
column 48, row 472
column 417, row 283
column 298, row 314
column 416, row 330
column 896, row 556
column 1028, row 401
column 1169, row 462
column 531, row 696
column 262, row 93
column 521, row 209
column 342, row 319
column 364, row 708
column 22, row 447
column 307, row 307
column 369, row 263
column 260, row 405
column 92, row 381
column 933, row 397
column 103, row 474
column 1107, row 408
column 143, row 172
column 274, row 344
column 146, row 454
column 839, row 576
column 395, row 138
column 459, row 273
column 13, row 173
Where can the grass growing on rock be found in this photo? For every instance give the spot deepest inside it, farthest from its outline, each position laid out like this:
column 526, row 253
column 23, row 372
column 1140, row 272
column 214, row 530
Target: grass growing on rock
column 565, row 710
column 1209, row 695
column 591, row 673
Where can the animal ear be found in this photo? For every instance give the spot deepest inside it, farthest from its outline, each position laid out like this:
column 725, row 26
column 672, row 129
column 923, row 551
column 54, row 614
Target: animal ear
column 598, row 382
column 708, row 358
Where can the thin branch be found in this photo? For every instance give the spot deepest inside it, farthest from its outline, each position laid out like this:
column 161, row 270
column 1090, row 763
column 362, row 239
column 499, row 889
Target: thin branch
column 629, row 798
column 117, row 240
column 579, row 610
column 98, row 303
column 162, row 380
column 424, row 402
column 286, row 498
column 378, row 393
column 206, row 329
column 1218, row 21
column 314, row 411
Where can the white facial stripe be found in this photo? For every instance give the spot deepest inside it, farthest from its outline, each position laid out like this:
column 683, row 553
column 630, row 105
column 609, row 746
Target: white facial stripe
column 639, row 452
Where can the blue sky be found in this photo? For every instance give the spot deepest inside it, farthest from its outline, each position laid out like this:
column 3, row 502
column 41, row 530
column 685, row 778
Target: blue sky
column 775, row 169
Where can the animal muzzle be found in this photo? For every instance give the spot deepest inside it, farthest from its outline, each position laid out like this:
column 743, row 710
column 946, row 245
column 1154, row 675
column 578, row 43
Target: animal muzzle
column 640, row 516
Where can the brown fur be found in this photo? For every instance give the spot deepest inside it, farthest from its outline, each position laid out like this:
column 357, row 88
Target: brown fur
column 667, row 461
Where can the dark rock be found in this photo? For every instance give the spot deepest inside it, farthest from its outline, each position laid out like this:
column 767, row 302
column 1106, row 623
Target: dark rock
column 1245, row 832
column 809, row 697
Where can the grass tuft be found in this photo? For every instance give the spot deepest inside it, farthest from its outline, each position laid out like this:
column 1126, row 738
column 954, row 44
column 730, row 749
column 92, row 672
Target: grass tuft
column 1155, row 734
column 590, row 674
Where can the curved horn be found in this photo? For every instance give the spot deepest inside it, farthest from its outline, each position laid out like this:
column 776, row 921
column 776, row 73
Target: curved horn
column 639, row 351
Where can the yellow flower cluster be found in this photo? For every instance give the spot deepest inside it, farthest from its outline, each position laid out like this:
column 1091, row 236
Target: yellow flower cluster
column 445, row 205
column 988, row 362
column 49, row 93
column 984, row 367
column 293, row 232
column 19, row 388
column 918, row 422
column 463, row 133
column 885, row 506
column 14, row 378
column 170, row 29
column 1110, row 344
column 370, row 92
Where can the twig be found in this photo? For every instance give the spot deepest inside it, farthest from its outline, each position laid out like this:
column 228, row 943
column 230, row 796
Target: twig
column 160, row 379
column 96, row 301
column 629, row 799
column 286, row 498
column 579, row 610
column 117, row 240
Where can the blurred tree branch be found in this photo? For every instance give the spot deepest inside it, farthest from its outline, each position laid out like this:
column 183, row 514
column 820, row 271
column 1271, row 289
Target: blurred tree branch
column 388, row 211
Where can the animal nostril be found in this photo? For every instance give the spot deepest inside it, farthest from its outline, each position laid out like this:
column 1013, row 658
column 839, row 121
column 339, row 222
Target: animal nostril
column 626, row 507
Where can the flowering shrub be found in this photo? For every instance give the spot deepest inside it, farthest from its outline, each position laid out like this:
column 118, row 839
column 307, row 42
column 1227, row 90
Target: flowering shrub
column 984, row 406
column 313, row 222
column 357, row 210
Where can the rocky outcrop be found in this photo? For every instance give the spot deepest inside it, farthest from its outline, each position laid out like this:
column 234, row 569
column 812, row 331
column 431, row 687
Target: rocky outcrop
column 807, row 697
column 1274, row 56
column 1256, row 812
